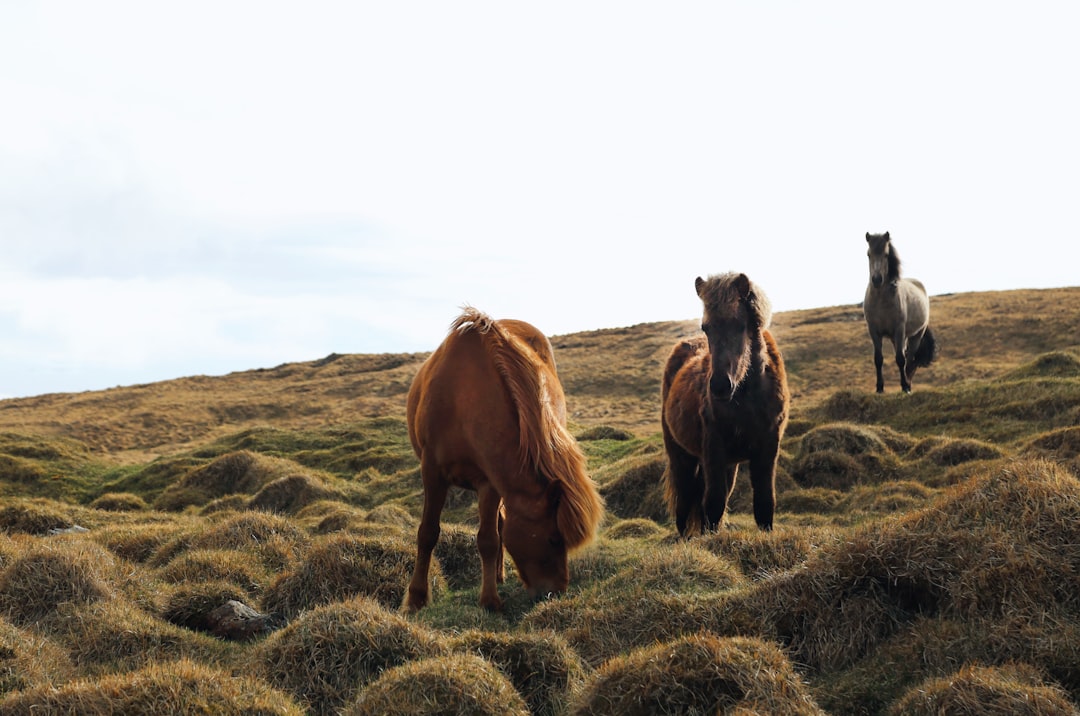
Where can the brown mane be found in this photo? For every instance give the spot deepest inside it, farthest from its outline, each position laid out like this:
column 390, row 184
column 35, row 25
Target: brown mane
column 545, row 445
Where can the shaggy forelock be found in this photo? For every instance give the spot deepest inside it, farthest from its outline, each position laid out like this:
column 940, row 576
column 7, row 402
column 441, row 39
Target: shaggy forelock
column 720, row 297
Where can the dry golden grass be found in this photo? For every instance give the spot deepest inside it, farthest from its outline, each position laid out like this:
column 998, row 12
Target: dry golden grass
column 177, row 688
column 328, row 654
column 924, row 557
column 698, row 675
column 611, row 376
column 454, row 685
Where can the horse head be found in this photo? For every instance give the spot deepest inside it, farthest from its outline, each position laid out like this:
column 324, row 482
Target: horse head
column 538, row 549
column 735, row 314
column 884, row 262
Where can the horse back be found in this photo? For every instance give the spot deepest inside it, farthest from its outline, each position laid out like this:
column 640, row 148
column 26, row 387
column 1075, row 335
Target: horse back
column 683, row 392
column 460, row 413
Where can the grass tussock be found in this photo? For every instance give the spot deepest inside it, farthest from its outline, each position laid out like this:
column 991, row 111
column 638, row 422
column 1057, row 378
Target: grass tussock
column 173, row 688
column 328, row 654
column 452, row 685
column 29, row 660
column 698, row 674
column 274, row 540
column 48, row 575
column 120, row 502
column 341, row 566
column 995, row 546
column 1011, row 690
column 118, row 635
column 542, row 667
column 633, row 487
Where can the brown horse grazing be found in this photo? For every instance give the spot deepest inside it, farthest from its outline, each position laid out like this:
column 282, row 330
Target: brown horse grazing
column 724, row 400
column 487, row 412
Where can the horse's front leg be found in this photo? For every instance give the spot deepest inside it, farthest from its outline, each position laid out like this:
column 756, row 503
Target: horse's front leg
column 427, row 536
column 489, row 544
column 719, row 473
column 763, row 480
column 879, row 361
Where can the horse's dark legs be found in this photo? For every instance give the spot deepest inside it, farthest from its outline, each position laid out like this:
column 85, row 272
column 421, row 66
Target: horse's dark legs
column 427, row 536
column 684, row 484
column 763, row 480
column 489, row 544
column 901, row 363
column 912, row 350
column 719, row 482
column 879, row 361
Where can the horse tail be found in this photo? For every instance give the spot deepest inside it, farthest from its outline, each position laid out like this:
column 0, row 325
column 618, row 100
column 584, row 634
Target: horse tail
column 928, row 349
column 545, row 445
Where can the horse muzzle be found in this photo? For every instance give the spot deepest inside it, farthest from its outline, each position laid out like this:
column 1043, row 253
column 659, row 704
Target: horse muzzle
column 877, row 280
column 722, row 388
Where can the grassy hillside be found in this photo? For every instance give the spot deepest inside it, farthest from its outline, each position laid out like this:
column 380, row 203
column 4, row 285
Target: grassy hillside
column 924, row 558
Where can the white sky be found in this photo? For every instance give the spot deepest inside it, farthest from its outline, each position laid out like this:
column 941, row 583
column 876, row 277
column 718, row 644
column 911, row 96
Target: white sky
column 202, row 187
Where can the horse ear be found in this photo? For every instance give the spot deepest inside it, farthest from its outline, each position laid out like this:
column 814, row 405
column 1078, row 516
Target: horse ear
column 742, row 285
column 698, row 283
column 886, row 235
column 868, row 237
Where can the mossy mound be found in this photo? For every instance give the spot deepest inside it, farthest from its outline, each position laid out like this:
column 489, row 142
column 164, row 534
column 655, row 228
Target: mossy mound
column 458, row 556
column 759, row 554
column 841, row 455
column 176, row 688
column 288, row 495
column 340, row 566
column 1000, row 544
column 50, row 574
column 28, row 660
column 604, row 432
column 213, row 565
column 34, row 516
column 241, row 471
column 117, row 635
column 275, row 540
column 635, row 528
column 700, row 674
column 633, row 487
column 541, row 666
column 120, row 502
column 949, row 453
column 1013, row 690
column 188, row 605
column 1056, row 364
column 679, row 568
column 137, row 542
column 453, row 685
column 328, row 654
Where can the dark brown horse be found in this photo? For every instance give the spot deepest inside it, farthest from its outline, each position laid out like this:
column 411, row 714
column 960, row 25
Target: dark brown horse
column 486, row 412
column 725, row 400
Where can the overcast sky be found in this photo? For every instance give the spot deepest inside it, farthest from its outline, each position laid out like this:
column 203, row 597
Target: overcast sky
column 203, row 187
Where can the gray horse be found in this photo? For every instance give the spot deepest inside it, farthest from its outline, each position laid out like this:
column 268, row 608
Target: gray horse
column 898, row 309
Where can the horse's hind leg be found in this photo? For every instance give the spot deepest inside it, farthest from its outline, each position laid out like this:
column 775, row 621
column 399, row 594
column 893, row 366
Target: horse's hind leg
column 489, row 544
column 684, row 487
column 427, row 536
column 901, row 363
column 912, row 350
